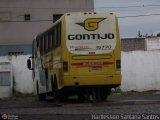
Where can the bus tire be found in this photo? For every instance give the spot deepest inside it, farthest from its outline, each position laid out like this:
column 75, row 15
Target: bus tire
column 59, row 95
column 41, row 97
column 54, row 88
column 104, row 93
column 81, row 98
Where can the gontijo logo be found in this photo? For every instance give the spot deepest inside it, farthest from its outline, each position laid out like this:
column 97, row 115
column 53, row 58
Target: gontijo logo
column 91, row 24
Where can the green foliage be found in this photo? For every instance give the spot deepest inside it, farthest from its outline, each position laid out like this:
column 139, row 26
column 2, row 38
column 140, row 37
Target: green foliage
column 132, row 92
column 23, row 95
column 14, row 85
column 158, row 34
column 116, row 91
column 139, row 34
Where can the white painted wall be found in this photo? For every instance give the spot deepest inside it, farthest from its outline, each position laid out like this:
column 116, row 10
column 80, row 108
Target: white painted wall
column 5, row 91
column 140, row 71
column 153, row 43
column 22, row 76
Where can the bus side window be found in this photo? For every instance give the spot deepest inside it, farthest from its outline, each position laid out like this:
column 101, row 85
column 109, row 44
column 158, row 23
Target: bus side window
column 40, row 47
column 49, row 40
column 33, row 47
column 45, row 43
column 59, row 34
column 42, row 44
column 37, row 42
column 55, row 37
column 36, row 46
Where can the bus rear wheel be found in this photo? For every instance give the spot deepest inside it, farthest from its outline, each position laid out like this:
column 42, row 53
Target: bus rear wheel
column 101, row 94
column 41, row 97
column 57, row 94
column 54, row 88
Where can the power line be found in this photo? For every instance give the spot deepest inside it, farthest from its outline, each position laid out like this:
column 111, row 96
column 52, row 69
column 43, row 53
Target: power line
column 138, row 16
column 26, row 21
column 133, row 16
column 102, row 7
column 40, row 8
column 151, row 5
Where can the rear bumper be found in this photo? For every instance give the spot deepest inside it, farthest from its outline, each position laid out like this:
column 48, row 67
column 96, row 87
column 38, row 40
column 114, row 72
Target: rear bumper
column 97, row 80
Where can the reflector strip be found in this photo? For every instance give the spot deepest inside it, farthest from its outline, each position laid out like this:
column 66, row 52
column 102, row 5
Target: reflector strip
column 90, row 64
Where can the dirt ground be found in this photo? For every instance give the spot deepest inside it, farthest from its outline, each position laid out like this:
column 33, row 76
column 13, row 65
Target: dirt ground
column 118, row 106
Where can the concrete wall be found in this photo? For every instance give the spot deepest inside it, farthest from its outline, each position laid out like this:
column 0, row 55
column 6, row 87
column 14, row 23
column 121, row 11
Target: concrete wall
column 5, row 91
column 153, row 43
column 133, row 44
column 140, row 70
column 22, row 76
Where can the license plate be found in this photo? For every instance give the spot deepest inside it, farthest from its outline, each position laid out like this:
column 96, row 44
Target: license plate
column 97, row 68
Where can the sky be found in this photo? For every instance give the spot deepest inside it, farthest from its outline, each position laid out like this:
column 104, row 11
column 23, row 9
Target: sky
column 134, row 15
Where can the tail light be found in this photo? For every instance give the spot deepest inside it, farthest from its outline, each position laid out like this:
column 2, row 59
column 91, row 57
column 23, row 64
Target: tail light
column 65, row 66
column 118, row 64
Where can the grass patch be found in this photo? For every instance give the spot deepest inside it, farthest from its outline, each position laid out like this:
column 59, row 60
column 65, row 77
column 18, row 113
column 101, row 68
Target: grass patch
column 23, row 95
column 20, row 96
column 118, row 91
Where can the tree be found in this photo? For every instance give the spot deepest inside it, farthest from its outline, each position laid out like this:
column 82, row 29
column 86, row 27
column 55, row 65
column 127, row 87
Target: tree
column 158, row 34
column 139, row 34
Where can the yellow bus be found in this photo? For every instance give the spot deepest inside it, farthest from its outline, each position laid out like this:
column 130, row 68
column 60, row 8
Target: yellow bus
column 79, row 55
